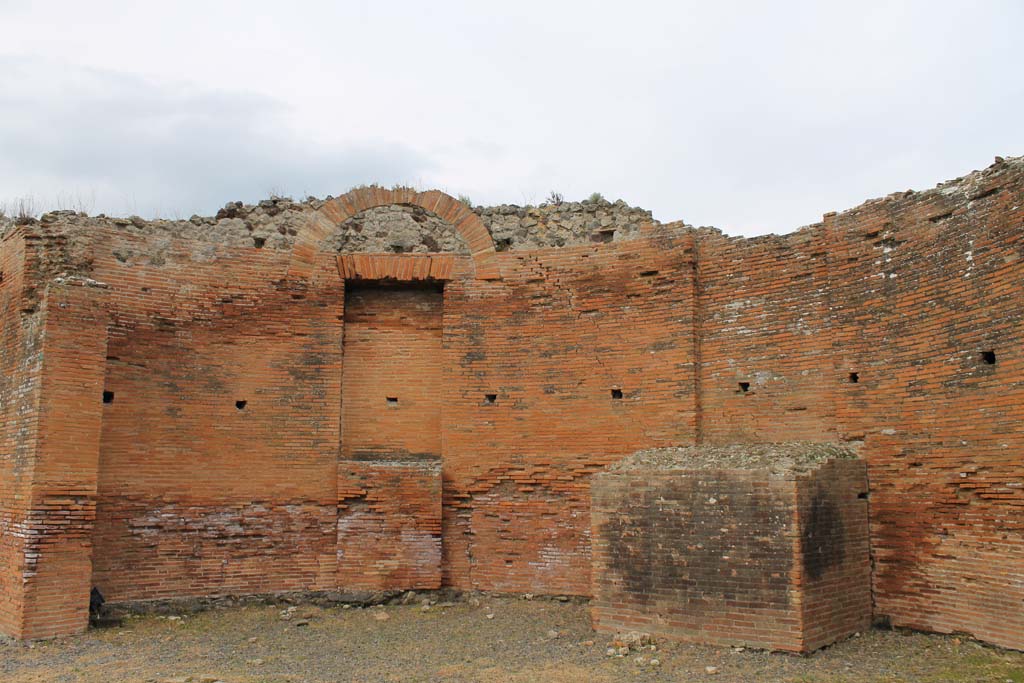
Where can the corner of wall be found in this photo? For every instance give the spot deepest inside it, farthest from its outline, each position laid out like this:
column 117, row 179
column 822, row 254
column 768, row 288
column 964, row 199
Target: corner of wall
column 61, row 500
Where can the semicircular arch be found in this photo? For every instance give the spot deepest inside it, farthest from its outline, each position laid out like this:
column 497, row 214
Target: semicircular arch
column 338, row 210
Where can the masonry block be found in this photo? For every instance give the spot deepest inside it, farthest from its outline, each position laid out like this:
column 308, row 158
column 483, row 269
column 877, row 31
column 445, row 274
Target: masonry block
column 757, row 546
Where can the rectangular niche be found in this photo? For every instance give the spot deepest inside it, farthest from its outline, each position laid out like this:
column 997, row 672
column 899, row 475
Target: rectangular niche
column 391, row 371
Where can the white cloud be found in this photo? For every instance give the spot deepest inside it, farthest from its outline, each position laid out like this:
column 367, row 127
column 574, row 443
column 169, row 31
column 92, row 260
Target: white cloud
column 746, row 115
column 123, row 144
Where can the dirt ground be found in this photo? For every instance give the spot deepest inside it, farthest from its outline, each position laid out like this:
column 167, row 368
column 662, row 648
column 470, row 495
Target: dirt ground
column 480, row 638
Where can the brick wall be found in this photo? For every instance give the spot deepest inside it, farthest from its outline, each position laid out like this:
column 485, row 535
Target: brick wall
column 59, row 526
column 903, row 295
column 219, row 451
column 733, row 556
column 392, row 382
column 19, row 382
column 589, row 352
column 389, row 524
column 924, row 287
column 389, row 479
column 767, row 371
column 54, row 341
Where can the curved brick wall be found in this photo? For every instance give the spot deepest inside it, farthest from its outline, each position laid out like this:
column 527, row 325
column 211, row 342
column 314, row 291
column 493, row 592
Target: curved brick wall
column 554, row 362
column 941, row 425
column 907, row 293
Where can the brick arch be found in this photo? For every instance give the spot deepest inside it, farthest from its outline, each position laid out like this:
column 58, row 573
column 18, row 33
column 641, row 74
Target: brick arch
column 338, row 210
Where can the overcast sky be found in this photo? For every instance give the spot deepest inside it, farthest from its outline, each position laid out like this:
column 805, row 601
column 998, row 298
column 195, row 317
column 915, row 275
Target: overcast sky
column 754, row 117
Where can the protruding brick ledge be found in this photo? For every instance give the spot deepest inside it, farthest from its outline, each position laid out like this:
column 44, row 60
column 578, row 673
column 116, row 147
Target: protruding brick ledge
column 401, row 267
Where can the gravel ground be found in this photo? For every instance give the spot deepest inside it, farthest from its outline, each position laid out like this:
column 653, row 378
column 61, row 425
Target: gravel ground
column 480, row 638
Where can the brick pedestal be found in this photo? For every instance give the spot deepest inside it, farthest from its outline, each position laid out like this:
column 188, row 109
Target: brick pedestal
column 726, row 555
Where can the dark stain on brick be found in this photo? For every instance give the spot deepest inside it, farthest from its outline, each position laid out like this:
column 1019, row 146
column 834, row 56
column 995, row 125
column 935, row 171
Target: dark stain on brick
column 821, row 541
column 672, row 538
column 392, row 454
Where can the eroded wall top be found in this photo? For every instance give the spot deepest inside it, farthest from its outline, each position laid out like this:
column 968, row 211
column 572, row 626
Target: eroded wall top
column 276, row 224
